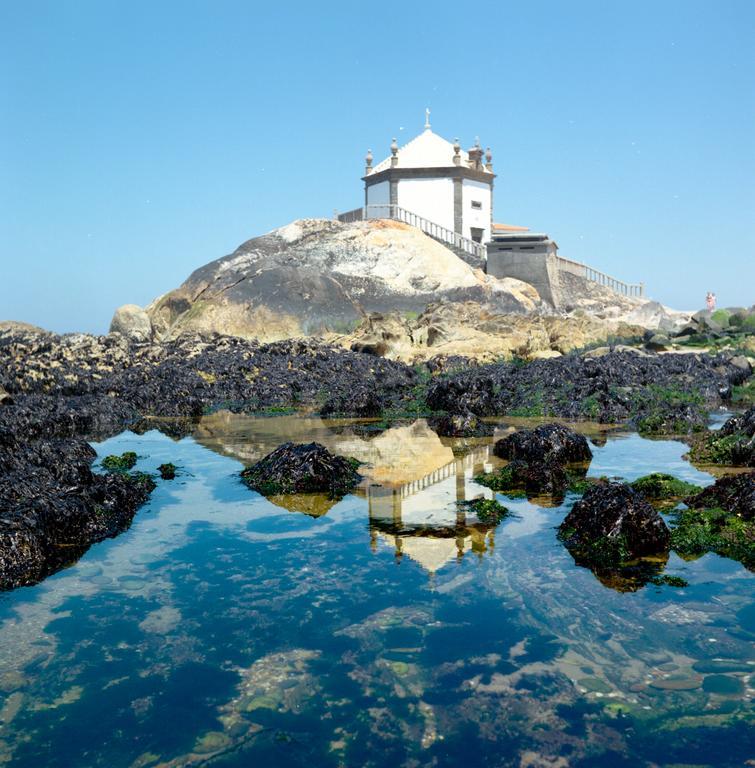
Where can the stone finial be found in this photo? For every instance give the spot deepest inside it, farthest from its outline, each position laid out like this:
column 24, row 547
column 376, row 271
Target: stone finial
column 394, row 153
column 427, row 119
column 475, row 156
column 488, row 160
column 457, row 152
column 368, row 163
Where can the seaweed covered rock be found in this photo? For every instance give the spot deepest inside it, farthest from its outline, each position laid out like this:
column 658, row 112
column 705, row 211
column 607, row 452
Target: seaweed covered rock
column 662, row 393
column 732, row 445
column 659, row 486
column 613, row 523
column 548, row 441
column 487, row 511
column 537, row 477
column 53, row 507
column 167, row 471
column 733, row 493
column 670, row 414
column 363, row 402
column 700, row 530
column 302, row 468
column 460, row 425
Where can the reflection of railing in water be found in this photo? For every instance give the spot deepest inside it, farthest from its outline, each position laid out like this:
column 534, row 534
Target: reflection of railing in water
column 387, row 504
column 436, row 529
column 478, row 456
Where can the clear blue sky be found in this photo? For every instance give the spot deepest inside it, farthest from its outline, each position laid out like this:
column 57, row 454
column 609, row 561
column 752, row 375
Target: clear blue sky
column 140, row 140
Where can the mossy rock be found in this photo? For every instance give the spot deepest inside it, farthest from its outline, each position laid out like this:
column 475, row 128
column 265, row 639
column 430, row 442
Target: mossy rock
column 714, row 530
column 487, row 511
column 659, row 486
column 121, row 463
column 715, row 448
column 167, row 471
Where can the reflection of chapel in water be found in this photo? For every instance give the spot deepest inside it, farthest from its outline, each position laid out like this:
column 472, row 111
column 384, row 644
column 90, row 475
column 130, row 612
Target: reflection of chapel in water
column 413, row 482
column 423, row 519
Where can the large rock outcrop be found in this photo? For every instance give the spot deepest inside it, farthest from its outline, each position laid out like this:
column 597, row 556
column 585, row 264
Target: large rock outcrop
column 480, row 332
column 316, row 275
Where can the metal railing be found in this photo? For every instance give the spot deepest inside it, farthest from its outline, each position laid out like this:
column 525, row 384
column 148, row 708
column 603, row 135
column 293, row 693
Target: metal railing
column 395, row 212
column 634, row 290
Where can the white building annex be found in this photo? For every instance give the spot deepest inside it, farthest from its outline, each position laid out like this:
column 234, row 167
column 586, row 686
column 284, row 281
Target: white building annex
column 436, row 180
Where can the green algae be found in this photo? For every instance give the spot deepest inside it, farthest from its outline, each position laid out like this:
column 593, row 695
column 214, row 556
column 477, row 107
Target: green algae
column 697, row 531
column 669, row 581
column 722, row 665
column 167, row 471
column 661, row 487
column 677, row 683
column 500, row 480
column 121, row 463
column 487, row 511
column 715, row 448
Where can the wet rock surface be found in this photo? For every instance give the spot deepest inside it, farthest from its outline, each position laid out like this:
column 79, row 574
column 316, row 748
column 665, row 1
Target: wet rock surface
column 732, row 493
column 613, row 522
column 61, row 390
column 460, row 425
column 538, row 459
column 539, row 477
column 656, row 393
column 302, row 468
column 733, row 444
column 53, row 507
column 548, row 441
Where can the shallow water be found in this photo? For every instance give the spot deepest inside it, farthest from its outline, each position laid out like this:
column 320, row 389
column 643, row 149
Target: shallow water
column 386, row 629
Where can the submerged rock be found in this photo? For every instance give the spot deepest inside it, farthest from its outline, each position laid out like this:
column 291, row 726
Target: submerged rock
column 613, row 522
column 548, row 441
column 302, row 468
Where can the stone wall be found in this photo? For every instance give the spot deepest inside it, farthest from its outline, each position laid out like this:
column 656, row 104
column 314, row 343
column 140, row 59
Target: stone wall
column 538, row 267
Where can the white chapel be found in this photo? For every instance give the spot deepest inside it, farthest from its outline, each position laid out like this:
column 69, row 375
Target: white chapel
column 436, row 180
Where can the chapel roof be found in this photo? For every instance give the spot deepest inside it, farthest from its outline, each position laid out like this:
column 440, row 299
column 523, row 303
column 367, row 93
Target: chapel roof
column 428, row 150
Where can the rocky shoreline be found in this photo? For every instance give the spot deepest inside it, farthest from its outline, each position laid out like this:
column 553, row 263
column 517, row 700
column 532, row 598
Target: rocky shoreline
column 61, row 391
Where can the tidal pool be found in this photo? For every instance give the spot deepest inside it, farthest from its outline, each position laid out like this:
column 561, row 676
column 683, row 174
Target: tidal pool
column 389, row 628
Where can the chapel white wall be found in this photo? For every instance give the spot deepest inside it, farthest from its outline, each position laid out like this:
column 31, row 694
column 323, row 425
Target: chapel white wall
column 471, row 217
column 432, row 199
